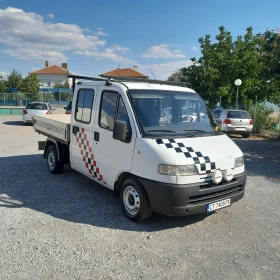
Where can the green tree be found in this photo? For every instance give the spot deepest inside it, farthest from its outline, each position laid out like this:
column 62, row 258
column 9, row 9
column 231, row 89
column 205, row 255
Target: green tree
column 14, row 80
column 3, row 87
column 177, row 76
column 269, row 43
column 61, row 85
column 64, row 96
column 222, row 62
column 30, row 85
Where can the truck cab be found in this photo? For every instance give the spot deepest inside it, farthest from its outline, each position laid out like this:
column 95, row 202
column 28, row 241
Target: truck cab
column 175, row 164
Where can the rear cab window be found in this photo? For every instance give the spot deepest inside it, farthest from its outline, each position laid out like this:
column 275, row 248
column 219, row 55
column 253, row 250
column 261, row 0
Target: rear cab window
column 238, row 115
column 84, row 105
column 37, row 106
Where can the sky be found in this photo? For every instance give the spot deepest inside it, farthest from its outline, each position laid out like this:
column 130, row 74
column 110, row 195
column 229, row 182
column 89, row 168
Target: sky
column 94, row 37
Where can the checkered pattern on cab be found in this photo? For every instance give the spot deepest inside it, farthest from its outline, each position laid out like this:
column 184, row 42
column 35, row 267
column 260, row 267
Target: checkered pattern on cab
column 88, row 156
column 203, row 163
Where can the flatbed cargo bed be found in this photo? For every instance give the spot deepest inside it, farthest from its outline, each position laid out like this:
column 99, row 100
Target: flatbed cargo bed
column 56, row 126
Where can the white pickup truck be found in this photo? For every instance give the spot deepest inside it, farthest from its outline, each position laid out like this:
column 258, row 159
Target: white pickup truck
column 119, row 135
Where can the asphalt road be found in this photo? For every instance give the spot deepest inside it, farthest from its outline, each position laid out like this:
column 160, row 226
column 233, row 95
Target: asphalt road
column 67, row 227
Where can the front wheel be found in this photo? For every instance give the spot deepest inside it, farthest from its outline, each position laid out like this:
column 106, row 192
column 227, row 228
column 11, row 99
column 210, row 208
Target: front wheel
column 53, row 164
column 134, row 201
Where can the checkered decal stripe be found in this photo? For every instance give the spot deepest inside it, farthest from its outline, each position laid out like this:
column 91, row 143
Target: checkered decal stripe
column 51, row 127
column 203, row 163
column 88, row 156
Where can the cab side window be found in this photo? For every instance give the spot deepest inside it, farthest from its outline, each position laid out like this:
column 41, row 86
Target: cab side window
column 84, row 104
column 123, row 116
column 107, row 113
column 112, row 108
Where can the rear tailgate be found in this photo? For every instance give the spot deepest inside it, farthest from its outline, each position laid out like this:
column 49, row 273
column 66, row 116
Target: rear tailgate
column 56, row 126
column 239, row 119
column 32, row 112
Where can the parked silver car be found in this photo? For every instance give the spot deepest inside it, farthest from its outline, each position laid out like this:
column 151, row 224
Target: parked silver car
column 35, row 108
column 233, row 121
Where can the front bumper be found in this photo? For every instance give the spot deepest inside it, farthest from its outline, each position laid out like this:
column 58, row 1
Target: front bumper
column 27, row 119
column 233, row 129
column 183, row 200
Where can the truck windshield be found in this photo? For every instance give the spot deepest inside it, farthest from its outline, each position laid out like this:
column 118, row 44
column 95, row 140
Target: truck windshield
column 171, row 113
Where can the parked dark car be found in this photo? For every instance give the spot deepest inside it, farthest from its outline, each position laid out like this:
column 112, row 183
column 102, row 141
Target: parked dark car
column 68, row 108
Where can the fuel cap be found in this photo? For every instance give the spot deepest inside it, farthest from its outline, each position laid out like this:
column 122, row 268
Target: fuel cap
column 217, row 176
column 228, row 175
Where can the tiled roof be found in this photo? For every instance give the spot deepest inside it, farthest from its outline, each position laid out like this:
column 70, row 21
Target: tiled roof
column 54, row 69
column 124, row 72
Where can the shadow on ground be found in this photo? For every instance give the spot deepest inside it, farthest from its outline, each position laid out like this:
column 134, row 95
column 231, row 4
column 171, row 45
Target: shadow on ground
column 262, row 157
column 71, row 196
column 14, row 123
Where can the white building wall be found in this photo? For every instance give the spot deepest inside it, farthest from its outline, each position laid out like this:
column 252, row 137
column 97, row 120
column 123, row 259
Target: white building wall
column 48, row 80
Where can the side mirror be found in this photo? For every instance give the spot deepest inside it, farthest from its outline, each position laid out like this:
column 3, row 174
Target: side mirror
column 119, row 132
column 64, row 108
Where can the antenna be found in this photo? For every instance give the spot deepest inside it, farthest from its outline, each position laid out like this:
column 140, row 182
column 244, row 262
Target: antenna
column 153, row 74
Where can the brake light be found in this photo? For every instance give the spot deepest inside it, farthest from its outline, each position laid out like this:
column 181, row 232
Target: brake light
column 48, row 112
column 25, row 112
column 251, row 122
column 227, row 121
column 68, row 112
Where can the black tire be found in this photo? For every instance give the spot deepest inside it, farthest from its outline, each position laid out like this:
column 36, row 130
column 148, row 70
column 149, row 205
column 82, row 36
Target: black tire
column 246, row 135
column 24, row 124
column 53, row 164
column 133, row 194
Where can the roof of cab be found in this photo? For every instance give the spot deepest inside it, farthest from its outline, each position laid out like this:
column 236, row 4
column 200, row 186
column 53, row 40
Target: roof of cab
column 132, row 83
column 140, row 85
column 147, row 86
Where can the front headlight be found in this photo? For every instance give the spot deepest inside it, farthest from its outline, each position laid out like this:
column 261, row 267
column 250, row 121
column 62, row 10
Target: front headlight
column 239, row 162
column 177, row 170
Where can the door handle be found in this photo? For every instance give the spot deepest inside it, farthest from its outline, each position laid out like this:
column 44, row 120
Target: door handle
column 75, row 129
column 96, row 136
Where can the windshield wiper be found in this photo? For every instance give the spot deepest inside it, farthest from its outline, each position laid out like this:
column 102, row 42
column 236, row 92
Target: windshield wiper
column 199, row 130
column 161, row 130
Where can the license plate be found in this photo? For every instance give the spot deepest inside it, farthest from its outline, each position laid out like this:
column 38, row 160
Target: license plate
column 217, row 205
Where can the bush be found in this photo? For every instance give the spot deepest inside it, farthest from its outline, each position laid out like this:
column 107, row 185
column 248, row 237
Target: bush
column 260, row 116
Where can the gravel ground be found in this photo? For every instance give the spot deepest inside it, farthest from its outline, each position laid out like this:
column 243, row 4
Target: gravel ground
column 67, row 227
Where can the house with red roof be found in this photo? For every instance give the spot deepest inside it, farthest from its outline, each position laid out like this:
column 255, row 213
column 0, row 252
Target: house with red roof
column 51, row 75
column 124, row 72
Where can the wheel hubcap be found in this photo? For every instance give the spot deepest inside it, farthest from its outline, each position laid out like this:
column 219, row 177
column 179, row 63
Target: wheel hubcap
column 51, row 160
column 131, row 200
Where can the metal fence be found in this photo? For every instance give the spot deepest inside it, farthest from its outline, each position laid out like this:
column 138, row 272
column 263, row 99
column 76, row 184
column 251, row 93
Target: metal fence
column 14, row 99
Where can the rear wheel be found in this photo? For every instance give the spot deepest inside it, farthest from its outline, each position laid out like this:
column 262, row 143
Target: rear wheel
column 134, row 201
column 53, row 164
column 246, row 135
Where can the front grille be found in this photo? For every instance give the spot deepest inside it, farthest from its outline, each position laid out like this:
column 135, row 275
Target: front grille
column 198, row 199
column 210, row 184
